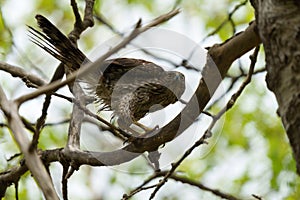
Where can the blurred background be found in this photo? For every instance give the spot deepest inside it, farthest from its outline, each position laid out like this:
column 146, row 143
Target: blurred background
column 249, row 152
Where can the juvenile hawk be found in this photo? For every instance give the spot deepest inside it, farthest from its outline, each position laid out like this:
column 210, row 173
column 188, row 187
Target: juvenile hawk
column 129, row 87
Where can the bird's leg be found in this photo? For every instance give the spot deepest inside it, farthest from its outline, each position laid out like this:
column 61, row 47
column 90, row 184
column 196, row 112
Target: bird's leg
column 135, row 133
column 146, row 128
column 126, row 127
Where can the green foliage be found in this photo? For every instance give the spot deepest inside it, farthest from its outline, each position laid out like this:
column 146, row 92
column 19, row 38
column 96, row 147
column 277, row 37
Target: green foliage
column 296, row 190
column 5, row 38
column 98, row 5
column 53, row 137
column 215, row 16
column 266, row 129
column 46, row 6
column 148, row 4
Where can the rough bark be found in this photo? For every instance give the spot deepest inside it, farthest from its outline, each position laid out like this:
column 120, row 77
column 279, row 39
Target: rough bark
column 279, row 29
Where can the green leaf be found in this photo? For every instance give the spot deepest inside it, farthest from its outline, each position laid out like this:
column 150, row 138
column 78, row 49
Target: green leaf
column 98, row 5
column 148, row 4
column 5, row 38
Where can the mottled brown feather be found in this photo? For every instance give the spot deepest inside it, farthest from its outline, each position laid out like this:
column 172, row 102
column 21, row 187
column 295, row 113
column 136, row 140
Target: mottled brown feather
column 129, row 87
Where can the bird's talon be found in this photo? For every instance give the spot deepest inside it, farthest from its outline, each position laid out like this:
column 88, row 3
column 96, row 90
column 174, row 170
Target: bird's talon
column 129, row 140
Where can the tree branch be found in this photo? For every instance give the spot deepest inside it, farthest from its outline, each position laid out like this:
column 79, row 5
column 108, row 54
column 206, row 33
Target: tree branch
column 180, row 179
column 21, row 73
column 33, row 162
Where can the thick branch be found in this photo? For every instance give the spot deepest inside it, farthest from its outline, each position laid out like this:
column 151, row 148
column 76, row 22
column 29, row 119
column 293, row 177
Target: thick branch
column 9, row 177
column 78, row 114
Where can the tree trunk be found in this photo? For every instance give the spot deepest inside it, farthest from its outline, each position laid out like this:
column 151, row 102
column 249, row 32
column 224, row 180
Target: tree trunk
column 279, row 28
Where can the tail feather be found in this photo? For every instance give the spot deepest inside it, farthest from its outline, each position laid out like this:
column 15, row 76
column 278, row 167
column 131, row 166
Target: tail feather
column 56, row 43
column 41, row 40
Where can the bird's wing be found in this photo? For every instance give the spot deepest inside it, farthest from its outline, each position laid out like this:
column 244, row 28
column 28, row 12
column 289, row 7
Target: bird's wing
column 151, row 97
column 132, row 69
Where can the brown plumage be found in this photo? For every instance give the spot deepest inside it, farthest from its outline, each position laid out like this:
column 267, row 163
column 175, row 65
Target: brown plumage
column 129, row 87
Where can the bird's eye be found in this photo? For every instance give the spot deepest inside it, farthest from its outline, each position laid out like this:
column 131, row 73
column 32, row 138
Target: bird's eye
column 178, row 76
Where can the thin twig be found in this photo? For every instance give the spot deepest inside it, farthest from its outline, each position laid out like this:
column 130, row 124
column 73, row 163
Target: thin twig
column 81, row 25
column 58, row 75
column 257, row 197
column 216, row 30
column 203, row 187
column 28, row 78
column 21, row 73
column 64, row 181
column 183, row 63
column 11, row 176
column 234, row 80
column 137, row 190
column 57, row 123
column 104, row 21
column 228, row 19
column 13, row 156
column 17, row 190
column 235, row 96
column 180, row 179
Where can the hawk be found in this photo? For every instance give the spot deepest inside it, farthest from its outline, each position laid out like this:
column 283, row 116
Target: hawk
column 129, row 87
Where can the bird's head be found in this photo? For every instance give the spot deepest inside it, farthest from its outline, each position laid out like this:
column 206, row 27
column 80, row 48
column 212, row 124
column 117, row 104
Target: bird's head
column 175, row 81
